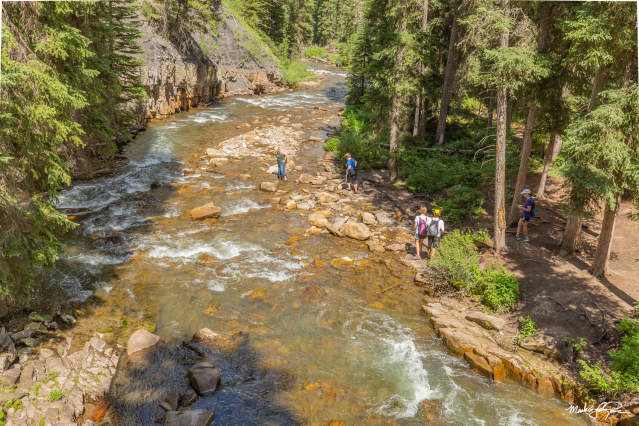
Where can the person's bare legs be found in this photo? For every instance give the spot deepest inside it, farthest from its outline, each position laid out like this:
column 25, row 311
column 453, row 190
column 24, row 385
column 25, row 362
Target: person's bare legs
column 519, row 226
column 355, row 186
column 418, row 248
column 525, row 226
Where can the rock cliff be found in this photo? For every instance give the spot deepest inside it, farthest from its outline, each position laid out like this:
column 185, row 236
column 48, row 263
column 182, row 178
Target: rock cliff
column 196, row 68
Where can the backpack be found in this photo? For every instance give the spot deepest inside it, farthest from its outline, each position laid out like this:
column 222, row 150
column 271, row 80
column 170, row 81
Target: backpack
column 433, row 228
column 422, row 227
column 533, row 211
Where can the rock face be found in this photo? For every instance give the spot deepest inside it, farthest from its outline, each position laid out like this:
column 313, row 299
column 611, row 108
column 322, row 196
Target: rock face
column 140, row 340
column 199, row 67
column 206, row 211
column 204, row 377
column 356, row 230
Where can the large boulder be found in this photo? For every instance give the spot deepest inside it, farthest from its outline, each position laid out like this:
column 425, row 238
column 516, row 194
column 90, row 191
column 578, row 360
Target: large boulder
column 487, row 321
column 383, row 219
column 141, row 339
column 204, row 377
column 356, row 230
column 199, row 417
column 206, row 211
column 268, row 186
column 327, row 198
column 305, row 178
column 318, row 219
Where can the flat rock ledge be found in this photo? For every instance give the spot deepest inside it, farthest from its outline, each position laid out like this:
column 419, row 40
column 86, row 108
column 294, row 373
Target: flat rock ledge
column 480, row 339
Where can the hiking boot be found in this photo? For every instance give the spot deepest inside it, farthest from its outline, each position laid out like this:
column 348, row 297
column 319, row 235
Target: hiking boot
column 517, row 237
column 525, row 240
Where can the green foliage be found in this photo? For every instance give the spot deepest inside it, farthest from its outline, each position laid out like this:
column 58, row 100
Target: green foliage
column 55, row 395
column 527, row 327
column 293, row 72
column 461, row 204
column 332, row 144
column 577, row 345
column 498, row 289
column 71, row 76
column 458, row 258
column 624, row 373
column 315, row 51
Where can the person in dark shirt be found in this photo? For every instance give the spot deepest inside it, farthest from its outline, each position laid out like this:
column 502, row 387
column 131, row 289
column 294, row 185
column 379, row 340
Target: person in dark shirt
column 351, row 172
column 526, row 214
column 281, row 164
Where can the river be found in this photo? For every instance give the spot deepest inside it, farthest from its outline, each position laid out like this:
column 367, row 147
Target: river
column 347, row 353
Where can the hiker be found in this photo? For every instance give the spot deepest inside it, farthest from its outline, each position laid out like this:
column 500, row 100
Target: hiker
column 421, row 230
column 351, row 173
column 281, row 164
column 434, row 232
column 528, row 211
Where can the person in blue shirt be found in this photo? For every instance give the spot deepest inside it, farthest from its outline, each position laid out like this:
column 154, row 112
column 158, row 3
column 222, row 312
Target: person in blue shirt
column 351, row 172
column 526, row 214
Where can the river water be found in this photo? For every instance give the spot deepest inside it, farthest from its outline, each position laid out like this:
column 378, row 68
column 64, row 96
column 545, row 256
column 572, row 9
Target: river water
column 321, row 343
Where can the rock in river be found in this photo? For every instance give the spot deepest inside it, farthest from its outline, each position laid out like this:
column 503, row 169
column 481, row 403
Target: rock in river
column 205, row 211
column 268, row 186
column 198, row 417
column 327, row 198
column 318, row 219
column 204, row 377
column 356, row 230
column 141, row 340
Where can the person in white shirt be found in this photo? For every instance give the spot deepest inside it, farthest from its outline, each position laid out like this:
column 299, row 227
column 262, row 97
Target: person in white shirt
column 435, row 231
column 421, row 228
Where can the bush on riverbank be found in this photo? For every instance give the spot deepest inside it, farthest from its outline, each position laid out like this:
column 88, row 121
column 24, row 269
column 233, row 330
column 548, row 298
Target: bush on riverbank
column 457, row 261
column 315, row 51
column 293, row 72
column 624, row 374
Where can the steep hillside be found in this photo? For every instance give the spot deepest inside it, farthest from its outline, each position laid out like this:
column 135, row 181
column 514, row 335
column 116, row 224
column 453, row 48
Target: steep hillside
column 197, row 67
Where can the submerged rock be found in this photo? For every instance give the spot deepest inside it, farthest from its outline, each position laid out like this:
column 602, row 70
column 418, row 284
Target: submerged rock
column 140, row 340
column 210, row 338
column 189, row 418
column 206, row 211
column 204, row 377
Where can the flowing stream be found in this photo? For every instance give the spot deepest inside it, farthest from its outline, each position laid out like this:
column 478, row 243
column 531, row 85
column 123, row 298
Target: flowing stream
column 351, row 354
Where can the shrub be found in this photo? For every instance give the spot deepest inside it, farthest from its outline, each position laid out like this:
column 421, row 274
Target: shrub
column 457, row 258
column 293, row 72
column 624, row 375
column 367, row 154
column 332, row 144
column 498, row 288
column 527, row 327
column 315, row 51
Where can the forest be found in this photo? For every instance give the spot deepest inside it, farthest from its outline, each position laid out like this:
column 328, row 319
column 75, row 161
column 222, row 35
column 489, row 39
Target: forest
column 460, row 101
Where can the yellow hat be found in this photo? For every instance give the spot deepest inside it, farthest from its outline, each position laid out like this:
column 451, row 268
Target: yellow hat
column 437, row 212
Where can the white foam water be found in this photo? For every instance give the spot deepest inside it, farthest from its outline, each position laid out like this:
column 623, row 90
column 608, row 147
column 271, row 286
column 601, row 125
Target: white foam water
column 241, row 207
column 188, row 249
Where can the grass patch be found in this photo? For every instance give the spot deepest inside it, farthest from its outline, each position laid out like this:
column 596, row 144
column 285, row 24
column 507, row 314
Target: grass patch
column 55, row 395
column 293, row 72
column 315, row 51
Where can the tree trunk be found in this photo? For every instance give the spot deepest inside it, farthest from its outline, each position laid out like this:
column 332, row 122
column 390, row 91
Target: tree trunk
column 509, row 115
column 167, row 13
column 604, row 245
column 513, row 216
column 420, row 102
column 491, row 107
column 573, row 226
column 500, row 154
column 552, row 152
column 397, row 101
column 449, row 80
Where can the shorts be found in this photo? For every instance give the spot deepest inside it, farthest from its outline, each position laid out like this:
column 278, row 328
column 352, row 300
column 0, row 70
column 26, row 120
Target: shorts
column 352, row 178
column 526, row 218
column 433, row 242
